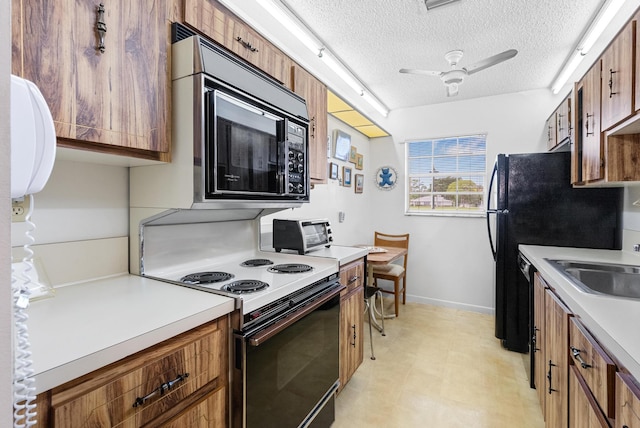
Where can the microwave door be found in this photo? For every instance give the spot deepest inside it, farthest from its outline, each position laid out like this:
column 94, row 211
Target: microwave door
column 246, row 148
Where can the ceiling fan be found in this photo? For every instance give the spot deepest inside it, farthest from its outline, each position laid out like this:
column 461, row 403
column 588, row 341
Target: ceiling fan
column 454, row 77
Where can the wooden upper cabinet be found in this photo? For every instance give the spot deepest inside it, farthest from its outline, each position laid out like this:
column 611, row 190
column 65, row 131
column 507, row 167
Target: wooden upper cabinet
column 563, row 120
column 219, row 24
column 590, row 135
column 315, row 94
column 552, row 132
column 617, row 78
column 101, row 100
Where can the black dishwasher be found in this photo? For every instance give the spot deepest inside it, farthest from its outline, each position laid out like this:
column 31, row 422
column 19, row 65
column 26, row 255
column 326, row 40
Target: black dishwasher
column 526, row 280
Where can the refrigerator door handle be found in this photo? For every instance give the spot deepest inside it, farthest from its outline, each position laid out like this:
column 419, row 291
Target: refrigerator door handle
column 491, row 211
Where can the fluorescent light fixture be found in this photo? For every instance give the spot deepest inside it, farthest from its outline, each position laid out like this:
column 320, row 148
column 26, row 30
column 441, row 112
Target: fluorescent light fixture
column 302, row 33
column 604, row 17
column 432, row 4
column 291, row 24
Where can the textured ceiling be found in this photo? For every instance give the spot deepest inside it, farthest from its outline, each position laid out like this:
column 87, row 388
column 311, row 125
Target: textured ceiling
column 375, row 38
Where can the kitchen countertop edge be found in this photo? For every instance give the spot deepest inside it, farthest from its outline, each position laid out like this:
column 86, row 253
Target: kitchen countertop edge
column 79, row 353
column 612, row 321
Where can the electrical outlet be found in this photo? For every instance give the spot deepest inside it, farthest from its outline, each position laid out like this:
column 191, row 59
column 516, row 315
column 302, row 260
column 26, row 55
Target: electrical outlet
column 19, row 209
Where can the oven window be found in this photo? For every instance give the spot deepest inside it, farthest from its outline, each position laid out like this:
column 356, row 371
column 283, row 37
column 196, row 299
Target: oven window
column 246, row 147
column 288, row 374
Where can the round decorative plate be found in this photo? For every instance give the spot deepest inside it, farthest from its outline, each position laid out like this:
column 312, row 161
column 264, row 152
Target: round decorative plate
column 386, row 177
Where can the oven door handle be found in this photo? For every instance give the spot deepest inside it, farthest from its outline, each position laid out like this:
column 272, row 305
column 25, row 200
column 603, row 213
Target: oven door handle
column 264, row 335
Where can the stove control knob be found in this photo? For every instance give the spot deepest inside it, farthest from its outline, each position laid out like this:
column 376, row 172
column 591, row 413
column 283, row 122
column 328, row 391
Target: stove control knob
column 291, row 187
column 291, row 166
column 299, row 188
column 291, row 303
column 291, row 154
column 300, row 157
column 300, row 168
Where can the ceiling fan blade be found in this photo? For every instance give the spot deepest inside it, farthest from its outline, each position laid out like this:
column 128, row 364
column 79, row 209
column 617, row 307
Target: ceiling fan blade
column 423, row 72
column 491, row 61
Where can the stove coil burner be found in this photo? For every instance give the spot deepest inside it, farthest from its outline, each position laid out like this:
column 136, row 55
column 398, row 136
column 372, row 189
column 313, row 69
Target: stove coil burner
column 290, row 268
column 206, row 277
column 245, row 286
column 256, row 262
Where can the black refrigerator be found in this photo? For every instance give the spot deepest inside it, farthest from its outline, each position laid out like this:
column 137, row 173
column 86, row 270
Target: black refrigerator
column 531, row 201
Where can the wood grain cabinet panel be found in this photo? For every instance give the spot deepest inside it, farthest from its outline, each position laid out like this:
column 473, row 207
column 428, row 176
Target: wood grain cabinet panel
column 591, row 137
column 594, row 366
column 351, row 319
column 215, row 21
column 583, row 408
column 538, row 345
column 552, row 131
column 315, row 94
column 113, row 100
column 183, row 379
column 617, row 78
column 627, row 402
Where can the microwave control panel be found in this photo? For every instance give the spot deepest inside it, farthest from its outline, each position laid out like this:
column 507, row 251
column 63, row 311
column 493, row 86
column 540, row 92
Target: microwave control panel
column 296, row 169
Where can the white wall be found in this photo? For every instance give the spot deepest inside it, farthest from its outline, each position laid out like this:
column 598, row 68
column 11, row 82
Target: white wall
column 327, row 200
column 449, row 258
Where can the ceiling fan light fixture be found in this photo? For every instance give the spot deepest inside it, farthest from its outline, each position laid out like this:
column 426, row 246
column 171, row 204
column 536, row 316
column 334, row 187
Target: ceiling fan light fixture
column 433, row 4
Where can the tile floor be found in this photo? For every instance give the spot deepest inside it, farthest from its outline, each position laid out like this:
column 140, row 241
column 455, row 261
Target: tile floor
column 438, row 367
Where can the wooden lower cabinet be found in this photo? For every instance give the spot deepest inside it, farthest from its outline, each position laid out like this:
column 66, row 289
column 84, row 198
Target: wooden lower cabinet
column 538, row 347
column 351, row 320
column 583, row 408
column 627, row 402
column 182, row 382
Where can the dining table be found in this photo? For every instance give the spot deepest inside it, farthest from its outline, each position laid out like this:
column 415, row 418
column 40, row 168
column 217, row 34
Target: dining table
column 377, row 256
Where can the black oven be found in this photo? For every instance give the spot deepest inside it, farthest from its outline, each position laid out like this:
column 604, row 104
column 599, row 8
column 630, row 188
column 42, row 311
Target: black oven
column 286, row 369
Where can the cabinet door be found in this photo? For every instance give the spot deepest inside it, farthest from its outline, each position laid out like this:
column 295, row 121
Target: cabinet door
column 557, row 360
column 552, row 137
column 351, row 329
column 563, row 120
column 352, row 275
column 627, row 402
column 206, row 414
column 116, row 97
column 617, row 78
column 592, row 147
column 219, row 24
column 540, row 360
column 315, row 94
column 583, row 409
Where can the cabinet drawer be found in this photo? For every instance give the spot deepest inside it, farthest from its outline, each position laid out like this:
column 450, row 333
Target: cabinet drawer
column 594, row 365
column 352, row 275
column 627, row 402
column 583, row 409
column 122, row 394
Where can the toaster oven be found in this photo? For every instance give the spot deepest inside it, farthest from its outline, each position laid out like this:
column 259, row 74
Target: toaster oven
column 301, row 235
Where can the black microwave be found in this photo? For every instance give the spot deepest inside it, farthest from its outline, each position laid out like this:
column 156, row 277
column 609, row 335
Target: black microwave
column 301, row 235
column 253, row 150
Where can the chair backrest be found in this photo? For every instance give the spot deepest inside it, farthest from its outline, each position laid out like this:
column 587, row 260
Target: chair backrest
column 386, row 240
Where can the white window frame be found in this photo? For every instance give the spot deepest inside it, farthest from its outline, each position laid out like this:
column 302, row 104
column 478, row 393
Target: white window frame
column 430, row 194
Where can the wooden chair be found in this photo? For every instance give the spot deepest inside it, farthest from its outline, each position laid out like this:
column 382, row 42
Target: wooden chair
column 392, row 271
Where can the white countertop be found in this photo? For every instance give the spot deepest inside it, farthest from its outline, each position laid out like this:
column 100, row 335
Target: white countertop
column 343, row 254
column 613, row 321
column 89, row 325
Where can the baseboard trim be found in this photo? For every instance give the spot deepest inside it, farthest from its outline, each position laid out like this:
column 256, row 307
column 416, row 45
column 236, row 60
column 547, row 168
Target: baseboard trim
column 450, row 304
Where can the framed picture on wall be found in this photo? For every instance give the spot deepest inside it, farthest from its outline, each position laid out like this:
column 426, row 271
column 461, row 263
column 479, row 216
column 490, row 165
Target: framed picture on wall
column 346, row 176
column 333, row 171
column 359, row 161
column 342, row 145
column 359, row 183
column 353, row 154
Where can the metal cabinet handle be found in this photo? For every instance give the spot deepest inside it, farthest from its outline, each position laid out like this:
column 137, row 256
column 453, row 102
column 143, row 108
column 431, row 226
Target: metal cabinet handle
column 560, row 116
column 534, row 339
column 354, row 335
column 354, row 279
column 159, row 390
column 576, row 355
column 587, row 124
column 549, row 377
column 611, row 73
column 101, row 27
column 246, row 44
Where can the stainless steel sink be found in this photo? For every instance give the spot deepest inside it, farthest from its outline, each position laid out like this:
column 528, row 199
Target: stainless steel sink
column 602, row 278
